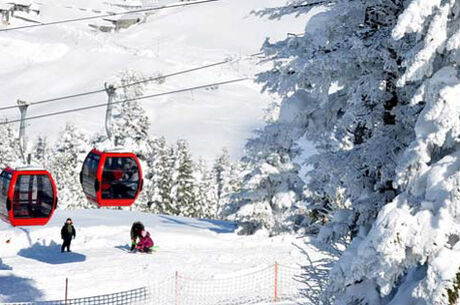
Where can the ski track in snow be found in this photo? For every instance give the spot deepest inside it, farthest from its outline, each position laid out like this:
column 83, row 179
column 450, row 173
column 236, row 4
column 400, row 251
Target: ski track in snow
column 99, row 263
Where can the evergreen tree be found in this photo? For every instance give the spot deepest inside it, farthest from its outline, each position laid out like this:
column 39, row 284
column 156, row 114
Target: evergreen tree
column 374, row 85
column 65, row 165
column 144, row 201
column 130, row 121
column 341, row 94
column 184, row 182
column 97, row 139
column 9, row 150
column 163, row 193
column 41, row 150
column 206, row 191
column 150, row 199
column 222, row 174
column 269, row 198
column 227, row 178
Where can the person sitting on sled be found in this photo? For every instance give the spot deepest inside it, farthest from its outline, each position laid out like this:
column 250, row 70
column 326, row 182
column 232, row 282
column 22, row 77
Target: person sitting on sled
column 146, row 243
column 136, row 230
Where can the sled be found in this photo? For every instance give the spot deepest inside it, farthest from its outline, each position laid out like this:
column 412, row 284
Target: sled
column 154, row 249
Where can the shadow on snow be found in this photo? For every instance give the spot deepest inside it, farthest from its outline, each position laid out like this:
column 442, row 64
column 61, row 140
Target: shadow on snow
column 18, row 289
column 125, row 248
column 51, row 254
column 4, row 267
column 219, row 226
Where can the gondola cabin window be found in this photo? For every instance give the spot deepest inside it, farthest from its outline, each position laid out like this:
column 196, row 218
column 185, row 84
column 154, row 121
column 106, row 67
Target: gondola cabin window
column 33, row 196
column 120, row 178
column 111, row 178
column 89, row 174
column 5, row 180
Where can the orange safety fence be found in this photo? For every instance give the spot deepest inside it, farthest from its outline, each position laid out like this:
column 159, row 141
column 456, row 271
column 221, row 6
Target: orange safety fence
column 274, row 284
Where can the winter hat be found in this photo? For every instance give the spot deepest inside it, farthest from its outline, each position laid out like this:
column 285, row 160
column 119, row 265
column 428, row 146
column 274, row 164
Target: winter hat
column 144, row 233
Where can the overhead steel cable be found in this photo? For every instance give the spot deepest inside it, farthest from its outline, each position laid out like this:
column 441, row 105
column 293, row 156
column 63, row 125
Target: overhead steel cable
column 107, row 15
column 55, row 99
column 156, row 78
column 124, row 101
column 150, row 79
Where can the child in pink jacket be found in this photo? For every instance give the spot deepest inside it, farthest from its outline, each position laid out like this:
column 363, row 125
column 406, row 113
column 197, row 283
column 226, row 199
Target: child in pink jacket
column 145, row 245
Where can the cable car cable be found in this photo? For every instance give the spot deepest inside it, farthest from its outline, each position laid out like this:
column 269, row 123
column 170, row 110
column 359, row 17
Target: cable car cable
column 150, row 79
column 107, row 15
column 124, row 101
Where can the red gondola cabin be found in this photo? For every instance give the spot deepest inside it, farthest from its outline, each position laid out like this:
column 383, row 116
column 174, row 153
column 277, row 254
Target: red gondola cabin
column 111, row 178
column 27, row 196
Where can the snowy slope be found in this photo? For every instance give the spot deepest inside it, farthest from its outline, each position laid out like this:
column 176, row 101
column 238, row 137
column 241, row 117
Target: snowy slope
column 46, row 62
column 32, row 267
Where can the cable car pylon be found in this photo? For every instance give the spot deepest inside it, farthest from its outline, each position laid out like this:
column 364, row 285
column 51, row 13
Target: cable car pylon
column 28, row 194
column 111, row 177
column 23, row 106
column 110, row 90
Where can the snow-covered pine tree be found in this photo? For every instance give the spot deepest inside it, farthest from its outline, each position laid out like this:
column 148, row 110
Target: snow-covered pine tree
column 272, row 147
column 9, row 150
column 150, row 199
column 411, row 254
column 129, row 118
column 66, row 161
column 226, row 178
column 374, row 83
column 162, row 197
column 97, row 139
column 269, row 197
column 205, row 191
column 41, row 150
column 143, row 202
column 338, row 84
column 183, row 189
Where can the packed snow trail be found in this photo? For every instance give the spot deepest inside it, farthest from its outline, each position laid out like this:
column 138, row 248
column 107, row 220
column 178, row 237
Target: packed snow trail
column 32, row 267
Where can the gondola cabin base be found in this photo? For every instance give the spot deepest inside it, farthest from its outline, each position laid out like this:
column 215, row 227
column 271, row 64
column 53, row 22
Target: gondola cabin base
column 27, row 196
column 111, row 178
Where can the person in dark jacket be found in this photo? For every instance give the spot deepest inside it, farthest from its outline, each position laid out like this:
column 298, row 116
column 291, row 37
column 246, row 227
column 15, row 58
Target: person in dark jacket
column 67, row 233
column 136, row 230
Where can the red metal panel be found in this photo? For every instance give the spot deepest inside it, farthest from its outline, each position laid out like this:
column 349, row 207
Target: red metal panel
column 116, row 202
column 100, row 169
column 30, row 221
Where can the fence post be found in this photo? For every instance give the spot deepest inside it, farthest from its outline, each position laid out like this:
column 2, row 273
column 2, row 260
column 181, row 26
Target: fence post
column 276, row 282
column 177, row 288
column 66, row 289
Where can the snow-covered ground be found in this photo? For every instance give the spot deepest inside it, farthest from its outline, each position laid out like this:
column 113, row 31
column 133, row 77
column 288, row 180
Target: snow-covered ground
column 53, row 61
column 32, row 267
